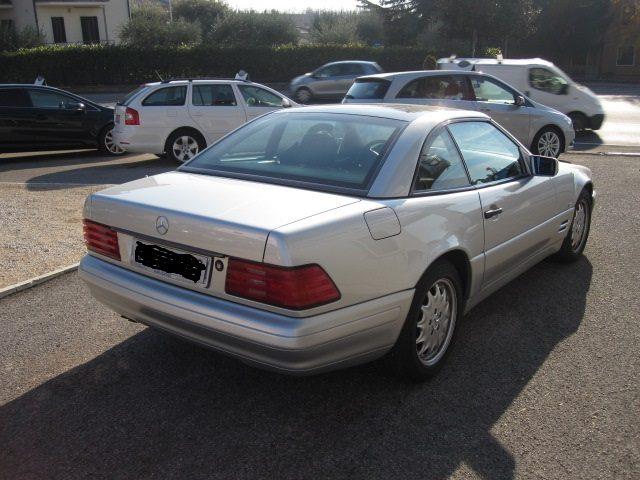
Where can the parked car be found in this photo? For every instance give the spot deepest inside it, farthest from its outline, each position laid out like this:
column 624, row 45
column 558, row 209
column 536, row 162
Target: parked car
column 541, row 81
column 315, row 238
column 180, row 118
column 330, row 81
column 544, row 130
column 36, row 117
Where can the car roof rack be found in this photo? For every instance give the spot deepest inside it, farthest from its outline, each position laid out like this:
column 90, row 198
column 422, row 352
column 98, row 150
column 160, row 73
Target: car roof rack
column 190, row 79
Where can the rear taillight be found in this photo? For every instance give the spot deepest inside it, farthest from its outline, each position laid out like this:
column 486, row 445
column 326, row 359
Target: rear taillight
column 295, row 288
column 101, row 239
column 131, row 117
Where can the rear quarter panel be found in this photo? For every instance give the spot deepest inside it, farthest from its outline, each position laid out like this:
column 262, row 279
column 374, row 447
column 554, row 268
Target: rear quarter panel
column 364, row 268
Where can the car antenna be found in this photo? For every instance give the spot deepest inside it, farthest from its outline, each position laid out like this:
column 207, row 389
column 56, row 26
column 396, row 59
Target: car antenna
column 159, row 76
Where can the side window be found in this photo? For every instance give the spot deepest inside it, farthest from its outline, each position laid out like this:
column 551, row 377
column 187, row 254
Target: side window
column 215, row 95
column 547, row 81
column 170, row 96
column 486, row 90
column 439, row 87
column 488, row 153
column 44, row 99
column 13, row 97
column 352, row 69
column 259, row 97
column 440, row 166
column 329, row 71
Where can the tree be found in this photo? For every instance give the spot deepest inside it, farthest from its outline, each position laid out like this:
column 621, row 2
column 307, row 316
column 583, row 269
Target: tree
column 149, row 25
column 474, row 20
column 12, row 39
column 338, row 28
column 250, row 28
column 206, row 13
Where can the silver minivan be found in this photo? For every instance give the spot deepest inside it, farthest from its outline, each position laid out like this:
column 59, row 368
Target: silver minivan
column 545, row 130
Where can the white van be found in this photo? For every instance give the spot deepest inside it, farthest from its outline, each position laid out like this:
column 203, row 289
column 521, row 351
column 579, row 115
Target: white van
column 541, row 81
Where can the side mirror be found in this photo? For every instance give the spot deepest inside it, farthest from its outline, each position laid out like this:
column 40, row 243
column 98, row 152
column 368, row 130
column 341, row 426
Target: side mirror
column 76, row 106
column 520, row 101
column 564, row 89
column 543, row 166
column 286, row 103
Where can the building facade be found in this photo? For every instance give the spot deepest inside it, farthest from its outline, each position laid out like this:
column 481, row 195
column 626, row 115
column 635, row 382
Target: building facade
column 68, row 21
column 621, row 48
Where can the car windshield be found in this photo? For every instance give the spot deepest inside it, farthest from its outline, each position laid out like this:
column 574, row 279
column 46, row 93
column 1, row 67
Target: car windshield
column 337, row 150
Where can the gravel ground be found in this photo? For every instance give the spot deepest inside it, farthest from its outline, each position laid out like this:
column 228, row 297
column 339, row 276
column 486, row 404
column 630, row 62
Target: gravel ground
column 41, row 229
column 544, row 383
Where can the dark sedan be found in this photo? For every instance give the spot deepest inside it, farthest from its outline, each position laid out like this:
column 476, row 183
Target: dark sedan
column 36, row 117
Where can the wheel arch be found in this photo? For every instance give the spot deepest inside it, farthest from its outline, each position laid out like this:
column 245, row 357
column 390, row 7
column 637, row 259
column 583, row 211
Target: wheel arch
column 460, row 260
column 553, row 127
column 185, row 129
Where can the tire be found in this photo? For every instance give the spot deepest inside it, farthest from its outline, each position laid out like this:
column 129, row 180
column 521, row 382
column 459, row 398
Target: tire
column 548, row 142
column 579, row 120
column 576, row 239
column 106, row 144
column 183, row 145
column 303, row 95
column 414, row 360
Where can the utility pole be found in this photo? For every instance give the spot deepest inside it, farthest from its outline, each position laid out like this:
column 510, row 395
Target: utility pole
column 170, row 12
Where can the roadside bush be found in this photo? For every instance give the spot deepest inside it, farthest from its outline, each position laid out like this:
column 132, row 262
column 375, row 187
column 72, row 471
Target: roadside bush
column 251, row 28
column 150, row 25
column 205, row 13
column 12, row 39
column 126, row 65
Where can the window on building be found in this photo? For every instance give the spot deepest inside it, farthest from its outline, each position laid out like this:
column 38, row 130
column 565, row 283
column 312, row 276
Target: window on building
column 59, row 33
column 90, row 31
column 626, row 56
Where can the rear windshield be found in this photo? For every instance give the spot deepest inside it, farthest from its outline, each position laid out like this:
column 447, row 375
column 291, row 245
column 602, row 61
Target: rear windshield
column 131, row 95
column 337, row 150
column 368, row 89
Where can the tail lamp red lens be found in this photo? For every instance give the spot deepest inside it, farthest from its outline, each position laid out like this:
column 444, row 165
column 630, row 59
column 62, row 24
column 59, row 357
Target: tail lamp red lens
column 101, row 239
column 131, row 117
column 295, row 288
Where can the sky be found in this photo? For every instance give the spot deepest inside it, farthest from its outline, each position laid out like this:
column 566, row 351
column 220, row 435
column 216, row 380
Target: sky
column 293, row 5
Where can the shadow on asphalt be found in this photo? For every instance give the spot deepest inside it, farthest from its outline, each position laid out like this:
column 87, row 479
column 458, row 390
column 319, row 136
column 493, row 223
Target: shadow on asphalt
column 155, row 406
column 586, row 141
column 86, row 167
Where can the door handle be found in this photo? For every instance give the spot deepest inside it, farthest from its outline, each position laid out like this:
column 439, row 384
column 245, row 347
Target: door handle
column 492, row 213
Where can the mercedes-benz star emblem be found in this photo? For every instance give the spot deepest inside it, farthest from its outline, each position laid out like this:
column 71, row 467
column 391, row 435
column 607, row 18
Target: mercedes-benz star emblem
column 162, row 225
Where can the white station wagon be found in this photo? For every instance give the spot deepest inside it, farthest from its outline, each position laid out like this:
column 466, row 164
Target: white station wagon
column 315, row 238
column 180, row 118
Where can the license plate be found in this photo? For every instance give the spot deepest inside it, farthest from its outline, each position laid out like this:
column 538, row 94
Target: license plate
column 172, row 263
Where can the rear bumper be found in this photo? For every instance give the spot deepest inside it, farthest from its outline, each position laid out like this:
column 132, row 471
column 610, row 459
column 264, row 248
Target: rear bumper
column 595, row 121
column 138, row 140
column 308, row 345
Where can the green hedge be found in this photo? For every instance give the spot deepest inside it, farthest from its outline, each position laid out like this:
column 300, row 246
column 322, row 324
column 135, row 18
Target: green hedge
column 120, row 65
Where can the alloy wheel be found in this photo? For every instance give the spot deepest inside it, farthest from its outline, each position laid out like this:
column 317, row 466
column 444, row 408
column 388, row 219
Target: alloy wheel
column 437, row 322
column 185, row 148
column 303, row 95
column 549, row 144
column 110, row 145
column 579, row 227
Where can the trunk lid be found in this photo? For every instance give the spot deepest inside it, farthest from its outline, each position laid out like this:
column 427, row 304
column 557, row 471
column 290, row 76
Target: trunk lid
column 215, row 214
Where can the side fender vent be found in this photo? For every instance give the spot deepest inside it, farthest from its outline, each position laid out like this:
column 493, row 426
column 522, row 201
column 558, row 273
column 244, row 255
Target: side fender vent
column 382, row 223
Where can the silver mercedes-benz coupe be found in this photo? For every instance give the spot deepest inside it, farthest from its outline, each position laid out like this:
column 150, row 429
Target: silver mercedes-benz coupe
column 315, row 238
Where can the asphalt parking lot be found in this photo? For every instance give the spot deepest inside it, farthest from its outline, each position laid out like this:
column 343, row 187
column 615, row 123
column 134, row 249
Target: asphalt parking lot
column 544, row 382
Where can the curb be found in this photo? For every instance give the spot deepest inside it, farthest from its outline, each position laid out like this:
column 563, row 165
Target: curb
column 32, row 282
column 605, row 154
